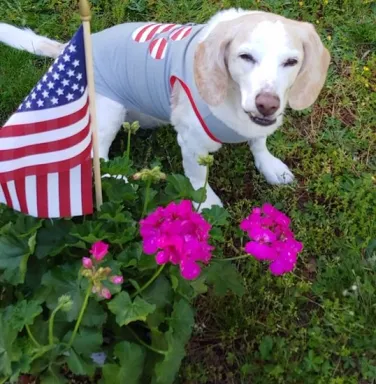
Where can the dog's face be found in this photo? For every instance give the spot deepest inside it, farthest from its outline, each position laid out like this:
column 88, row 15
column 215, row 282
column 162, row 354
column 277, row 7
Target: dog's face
column 271, row 60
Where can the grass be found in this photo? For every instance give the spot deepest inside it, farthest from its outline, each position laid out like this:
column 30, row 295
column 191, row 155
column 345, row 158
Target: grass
column 317, row 325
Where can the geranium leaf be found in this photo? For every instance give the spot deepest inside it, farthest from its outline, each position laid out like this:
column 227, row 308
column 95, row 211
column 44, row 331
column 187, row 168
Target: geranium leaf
column 131, row 363
column 159, row 293
column 179, row 187
column 53, row 376
column 8, row 336
column 118, row 191
column 78, row 365
column 224, row 276
column 14, row 255
column 130, row 255
column 87, row 341
column 127, row 310
column 95, row 315
column 60, row 281
column 182, row 321
column 120, row 165
column 53, row 238
column 24, row 313
column 216, row 215
column 167, row 369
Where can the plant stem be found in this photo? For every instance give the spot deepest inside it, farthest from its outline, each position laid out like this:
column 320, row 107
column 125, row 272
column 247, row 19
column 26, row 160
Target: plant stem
column 129, row 144
column 233, row 258
column 148, row 183
column 51, row 325
column 156, row 274
column 32, row 338
column 80, row 316
column 205, row 185
column 144, row 344
column 2, row 381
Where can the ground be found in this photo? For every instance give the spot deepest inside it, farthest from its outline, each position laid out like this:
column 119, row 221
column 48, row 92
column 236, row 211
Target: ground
column 317, row 324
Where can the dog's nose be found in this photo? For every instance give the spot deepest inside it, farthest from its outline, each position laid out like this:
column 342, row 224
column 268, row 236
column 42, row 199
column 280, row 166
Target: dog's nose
column 267, row 103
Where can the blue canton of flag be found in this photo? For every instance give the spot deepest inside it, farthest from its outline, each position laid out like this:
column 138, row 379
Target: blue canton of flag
column 64, row 82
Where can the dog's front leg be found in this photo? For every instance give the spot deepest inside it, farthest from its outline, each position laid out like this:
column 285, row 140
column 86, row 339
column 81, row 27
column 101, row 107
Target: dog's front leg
column 273, row 169
column 191, row 150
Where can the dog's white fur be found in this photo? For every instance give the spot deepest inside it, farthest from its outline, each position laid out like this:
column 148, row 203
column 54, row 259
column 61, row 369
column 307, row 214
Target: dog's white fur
column 229, row 85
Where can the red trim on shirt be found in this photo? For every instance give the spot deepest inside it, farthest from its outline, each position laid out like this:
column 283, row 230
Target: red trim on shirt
column 193, row 104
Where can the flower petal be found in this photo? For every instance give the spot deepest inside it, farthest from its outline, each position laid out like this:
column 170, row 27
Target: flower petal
column 260, row 251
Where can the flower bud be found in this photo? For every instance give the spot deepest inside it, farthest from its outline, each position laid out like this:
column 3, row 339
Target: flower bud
column 105, row 293
column 99, row 250
column 206, row 161
column 87, row 263
column 65, row 303
column 117, row 279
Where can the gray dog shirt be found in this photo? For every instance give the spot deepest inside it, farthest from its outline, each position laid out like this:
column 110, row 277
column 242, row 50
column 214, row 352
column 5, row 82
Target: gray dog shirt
column 137, row 64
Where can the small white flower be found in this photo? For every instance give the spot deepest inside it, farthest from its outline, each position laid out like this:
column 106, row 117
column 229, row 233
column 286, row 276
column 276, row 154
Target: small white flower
column 345, row 292
column 354, row 287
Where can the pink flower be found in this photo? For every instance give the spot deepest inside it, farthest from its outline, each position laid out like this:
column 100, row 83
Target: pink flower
column 105, row 293
column 179, row 235
column 117, row 279
column 99, row 250
column 271, row 238
column 87, row 263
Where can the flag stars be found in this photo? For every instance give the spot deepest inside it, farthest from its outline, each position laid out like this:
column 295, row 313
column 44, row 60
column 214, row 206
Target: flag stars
column 75, row 87
column 28, row 104
column 54, row 101
column 72, row 48
column 66, row 57
column 61, row 67
column 56, row 76
column 33, row 96
column 45, row 94
column 69, row 97
column 50, row 85
column 60, row 92
column 39, row 87
column 65, row 83
column 70, row 73
column 82, row 89
column 40, row 103
column 79, row 76
column 44, row 79
column 76, row 63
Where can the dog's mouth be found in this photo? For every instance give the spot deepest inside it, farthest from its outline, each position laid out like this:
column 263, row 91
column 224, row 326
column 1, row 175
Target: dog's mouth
column 263, row 121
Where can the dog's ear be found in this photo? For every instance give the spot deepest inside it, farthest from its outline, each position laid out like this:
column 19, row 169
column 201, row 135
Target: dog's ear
column 210, row 69
column 312, row 75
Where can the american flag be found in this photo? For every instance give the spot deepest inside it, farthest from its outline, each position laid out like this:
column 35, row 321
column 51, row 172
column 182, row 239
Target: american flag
column 45, row 146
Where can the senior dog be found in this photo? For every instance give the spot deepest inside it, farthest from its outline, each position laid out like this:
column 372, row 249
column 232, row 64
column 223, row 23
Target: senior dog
column 227, row 81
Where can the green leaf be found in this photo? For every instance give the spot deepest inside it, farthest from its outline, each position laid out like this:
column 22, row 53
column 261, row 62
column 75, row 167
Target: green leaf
column 78, row 365
column 53, row 376
column 118, row 191
column 115, row 213
column 131, row 363
column 216, row 215
column 167, row 369
column 120, row 165
column 53, row 238
column 224, row 276
column 179, row 187
column 87, row 341
column 159, row 293
column 24, row 313
column 266, row 347
column 95, row 315
column 182, row 321
column 130, row 255
column 14, row 255
column 127, row 311
column 60, row 281
column 8, row 336
column 25, row 226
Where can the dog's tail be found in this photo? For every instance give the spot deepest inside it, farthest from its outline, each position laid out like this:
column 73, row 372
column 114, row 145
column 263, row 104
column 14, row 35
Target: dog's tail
column 27, row 40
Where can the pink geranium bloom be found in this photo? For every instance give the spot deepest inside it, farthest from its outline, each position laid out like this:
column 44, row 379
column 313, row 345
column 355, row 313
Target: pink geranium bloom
column 177, row 235
column 271, row 238
column 99, row 250
column 117, row 279
column 105, row 293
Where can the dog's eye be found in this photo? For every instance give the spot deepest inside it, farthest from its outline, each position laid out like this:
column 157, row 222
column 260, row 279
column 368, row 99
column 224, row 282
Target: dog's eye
column 290, row 62
column 247, row 57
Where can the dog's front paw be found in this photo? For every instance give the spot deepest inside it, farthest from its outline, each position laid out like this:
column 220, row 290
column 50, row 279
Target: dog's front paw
column 274, row 170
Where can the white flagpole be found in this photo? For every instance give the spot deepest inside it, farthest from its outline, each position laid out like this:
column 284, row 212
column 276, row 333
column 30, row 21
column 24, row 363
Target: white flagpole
column 85, row 14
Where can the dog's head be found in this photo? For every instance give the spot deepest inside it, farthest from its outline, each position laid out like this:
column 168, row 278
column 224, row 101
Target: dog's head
column 272, row 60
